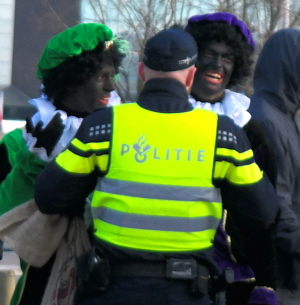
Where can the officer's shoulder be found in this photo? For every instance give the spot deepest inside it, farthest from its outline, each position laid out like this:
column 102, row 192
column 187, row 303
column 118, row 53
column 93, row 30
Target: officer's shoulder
column 231, row 135
column 102, row 115
column 227, row 123
column 96, row 126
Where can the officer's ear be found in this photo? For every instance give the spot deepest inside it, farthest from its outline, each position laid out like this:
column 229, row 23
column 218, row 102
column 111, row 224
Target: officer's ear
column 141, row 71
column 190, row 76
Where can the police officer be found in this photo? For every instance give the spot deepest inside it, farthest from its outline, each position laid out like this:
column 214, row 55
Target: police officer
column 162, row 172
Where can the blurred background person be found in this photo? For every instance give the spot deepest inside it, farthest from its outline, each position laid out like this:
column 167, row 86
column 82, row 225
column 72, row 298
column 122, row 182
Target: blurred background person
column 274, row 107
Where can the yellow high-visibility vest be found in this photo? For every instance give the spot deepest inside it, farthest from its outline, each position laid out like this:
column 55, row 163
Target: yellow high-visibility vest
column 158, row 193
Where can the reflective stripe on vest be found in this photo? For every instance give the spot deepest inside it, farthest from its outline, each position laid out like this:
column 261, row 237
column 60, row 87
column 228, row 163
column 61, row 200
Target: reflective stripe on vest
column 158, row 193
column 153, row 191
column 162, row 223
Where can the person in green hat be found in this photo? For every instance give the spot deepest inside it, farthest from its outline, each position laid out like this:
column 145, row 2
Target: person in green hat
column 78, row 69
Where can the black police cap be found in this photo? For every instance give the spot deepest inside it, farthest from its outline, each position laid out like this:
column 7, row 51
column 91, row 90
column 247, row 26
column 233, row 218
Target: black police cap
column 170, row 50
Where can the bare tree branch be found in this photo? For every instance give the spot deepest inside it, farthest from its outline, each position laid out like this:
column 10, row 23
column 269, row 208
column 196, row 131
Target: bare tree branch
column 140, row 19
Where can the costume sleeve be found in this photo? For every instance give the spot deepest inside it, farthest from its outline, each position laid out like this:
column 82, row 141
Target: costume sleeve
column 66, row 181
column 22, row 168
column 261, row 145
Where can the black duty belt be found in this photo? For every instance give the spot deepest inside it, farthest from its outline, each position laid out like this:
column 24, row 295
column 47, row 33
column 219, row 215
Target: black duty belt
column 94, row 273
column 183, row 269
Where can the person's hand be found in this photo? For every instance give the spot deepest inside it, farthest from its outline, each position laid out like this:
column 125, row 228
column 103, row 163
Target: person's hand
column 262, row 296
column 46, row 137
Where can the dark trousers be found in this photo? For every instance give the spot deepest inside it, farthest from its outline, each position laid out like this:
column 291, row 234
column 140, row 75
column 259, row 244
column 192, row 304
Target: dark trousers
column 146, row 291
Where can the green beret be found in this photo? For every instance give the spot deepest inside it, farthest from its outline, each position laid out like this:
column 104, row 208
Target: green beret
column 71, row 42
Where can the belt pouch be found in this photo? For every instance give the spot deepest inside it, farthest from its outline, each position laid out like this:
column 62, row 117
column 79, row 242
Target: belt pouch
column 93, row 272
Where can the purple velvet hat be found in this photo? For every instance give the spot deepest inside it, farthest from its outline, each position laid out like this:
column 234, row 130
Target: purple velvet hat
column 227, row 17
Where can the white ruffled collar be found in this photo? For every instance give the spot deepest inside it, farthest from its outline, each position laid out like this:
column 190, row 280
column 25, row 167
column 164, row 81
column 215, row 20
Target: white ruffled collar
column 233, row 105
column 45, row 112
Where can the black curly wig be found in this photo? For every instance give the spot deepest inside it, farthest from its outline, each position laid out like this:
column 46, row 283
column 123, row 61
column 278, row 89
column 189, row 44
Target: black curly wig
column 63, row 80
column 206, row 31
